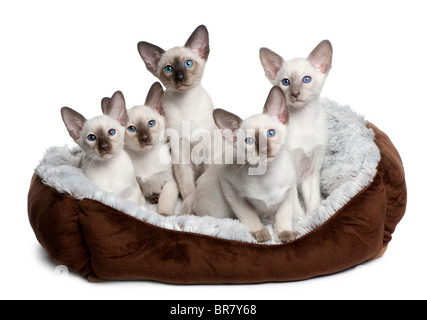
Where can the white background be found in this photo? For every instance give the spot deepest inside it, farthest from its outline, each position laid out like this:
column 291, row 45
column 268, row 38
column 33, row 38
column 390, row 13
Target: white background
column 73, row 53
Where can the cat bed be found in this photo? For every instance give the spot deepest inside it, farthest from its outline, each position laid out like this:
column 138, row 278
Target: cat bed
column 104, row 237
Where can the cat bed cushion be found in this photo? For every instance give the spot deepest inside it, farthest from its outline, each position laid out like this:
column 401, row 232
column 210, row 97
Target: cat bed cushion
column 104, row 237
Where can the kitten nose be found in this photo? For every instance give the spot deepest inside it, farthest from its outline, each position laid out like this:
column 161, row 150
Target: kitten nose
column 179, row 76
column 144, row 138
column 295, row 94
column 105, row 146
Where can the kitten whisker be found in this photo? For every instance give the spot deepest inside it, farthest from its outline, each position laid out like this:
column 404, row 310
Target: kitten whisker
column 89, row 158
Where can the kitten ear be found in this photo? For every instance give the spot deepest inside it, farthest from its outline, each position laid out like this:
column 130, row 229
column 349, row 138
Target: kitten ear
column 104, row 103
column 154, row 97
column 321, row 56
column 74, row 122
column 271, row 62
column 116, row 108
column 226, row 120
column 151, row 55
column 276, row 106
column 199, row 42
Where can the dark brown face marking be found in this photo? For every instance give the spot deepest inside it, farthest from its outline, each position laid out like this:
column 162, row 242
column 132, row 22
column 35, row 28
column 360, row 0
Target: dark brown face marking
column 261, row 142
column 180, row 74
column 103, row 143
column 144, row 136
column 181, row 77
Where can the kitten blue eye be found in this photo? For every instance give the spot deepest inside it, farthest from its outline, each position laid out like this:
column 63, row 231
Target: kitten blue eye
column 286, row 82
column 271, row 133
column 168, row 68
column 91, row 137
column 249, row 141
column 111, row 132
column 306, row 79
column 188, row 63
column 131, row 129
column 151, row 123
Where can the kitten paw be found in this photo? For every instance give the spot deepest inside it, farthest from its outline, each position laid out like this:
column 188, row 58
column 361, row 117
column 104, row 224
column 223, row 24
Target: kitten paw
column 261, row 235
column 154, row 198
column 287, row 236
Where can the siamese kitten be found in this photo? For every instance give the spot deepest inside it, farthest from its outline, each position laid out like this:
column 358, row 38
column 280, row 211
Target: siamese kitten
column 104, row 160
column 302, row 80
column 229, row 190
column 187, row 106
column 150, row 153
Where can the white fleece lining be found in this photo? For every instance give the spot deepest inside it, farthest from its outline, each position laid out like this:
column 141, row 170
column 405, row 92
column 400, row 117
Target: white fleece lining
column 349, row 166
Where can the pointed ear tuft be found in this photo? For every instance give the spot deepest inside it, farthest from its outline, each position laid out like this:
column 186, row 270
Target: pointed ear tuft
column 276, row 106
column 154, row 97
column 116, row 108
column 226, row 120
column 151, row 55
column 104, row 103
column 74, row 122
column 321, row 56
column 198, row 42
column 271, row 63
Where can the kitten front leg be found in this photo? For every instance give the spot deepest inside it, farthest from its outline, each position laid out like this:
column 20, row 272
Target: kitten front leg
column 310, row 187
column 136, row 194
column 187, row 205
column 287, row 213
column 168, row 198
column 245, row 213
column 185, row 177
column 310, row 183
column 182, row 168
column 137, row 197
column 141, row 200
column 140, row 192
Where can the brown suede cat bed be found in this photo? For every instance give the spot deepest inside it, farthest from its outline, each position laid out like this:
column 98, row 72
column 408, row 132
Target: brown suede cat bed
column 103, row 237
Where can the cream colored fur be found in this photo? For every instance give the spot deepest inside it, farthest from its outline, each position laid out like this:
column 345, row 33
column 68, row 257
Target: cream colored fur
column 103, row 160
column 230, row 190
column 186, row 104
column 350, row 163
column 308, row 133
column 150, row 153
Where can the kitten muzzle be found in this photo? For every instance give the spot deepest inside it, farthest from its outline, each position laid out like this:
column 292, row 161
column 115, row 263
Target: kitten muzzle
column 295, row 94
column 145, row 143
column 180, row 76
column 144, row 138
column 105, row 149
